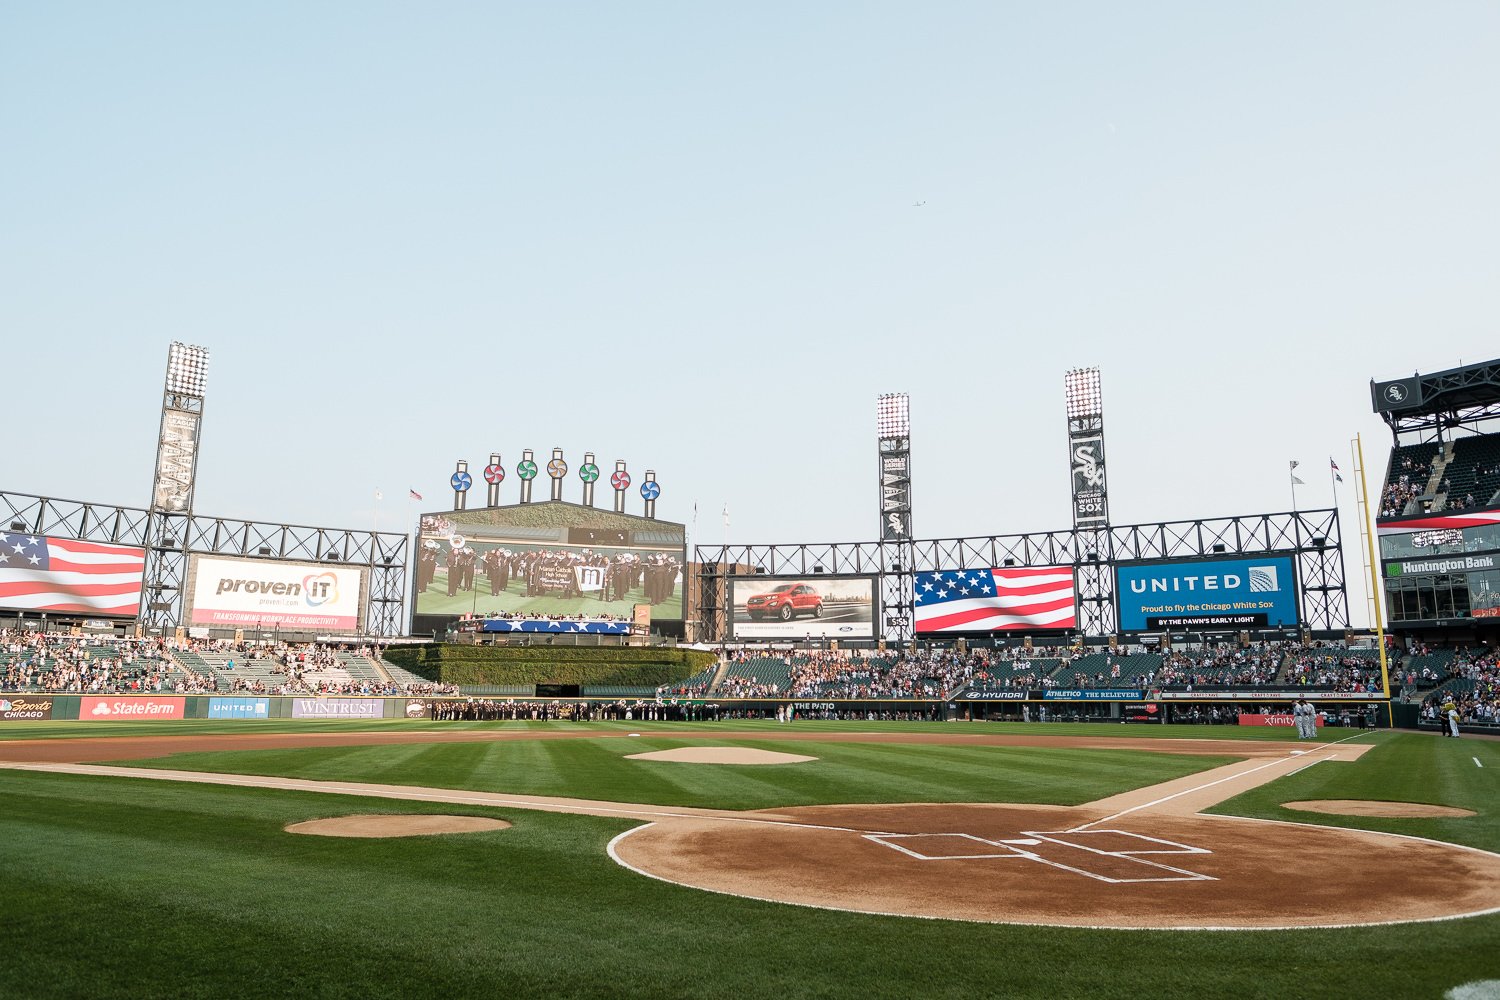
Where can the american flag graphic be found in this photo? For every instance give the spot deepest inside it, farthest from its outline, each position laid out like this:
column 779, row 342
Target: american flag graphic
column 988, row 600
column 38, row 573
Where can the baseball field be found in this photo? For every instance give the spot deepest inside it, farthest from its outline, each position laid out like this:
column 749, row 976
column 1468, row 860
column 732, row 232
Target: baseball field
column 744, row 860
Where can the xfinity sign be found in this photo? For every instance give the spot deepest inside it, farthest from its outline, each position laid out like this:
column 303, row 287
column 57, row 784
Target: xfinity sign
column 1228, row 593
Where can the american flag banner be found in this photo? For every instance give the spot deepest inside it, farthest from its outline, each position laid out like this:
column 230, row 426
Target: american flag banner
column 38, row 573
column 1019, row 598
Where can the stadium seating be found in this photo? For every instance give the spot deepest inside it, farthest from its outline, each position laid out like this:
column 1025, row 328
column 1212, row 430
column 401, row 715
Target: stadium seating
column 1472, row 477
column 1406, row 478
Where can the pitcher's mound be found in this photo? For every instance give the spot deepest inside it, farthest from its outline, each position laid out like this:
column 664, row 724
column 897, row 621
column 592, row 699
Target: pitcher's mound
column 722, row 755
column 395, row 826
column 1370, row 807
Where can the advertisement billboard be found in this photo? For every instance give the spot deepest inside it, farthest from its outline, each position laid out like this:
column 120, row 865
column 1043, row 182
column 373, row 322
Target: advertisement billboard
column 1259, row 592
column 1000, row 599
column 25, row 708
column 270, row 593
column 239, row 708
column 129, row 709
column 337, row 708
column 784, row 607
column 564, row 560
column 41, row 573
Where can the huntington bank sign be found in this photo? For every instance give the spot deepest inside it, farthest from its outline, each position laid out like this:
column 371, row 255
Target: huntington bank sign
column 1214, row 594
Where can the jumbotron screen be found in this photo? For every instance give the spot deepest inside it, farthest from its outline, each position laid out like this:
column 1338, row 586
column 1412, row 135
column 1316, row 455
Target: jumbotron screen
column 549, row 558
column 784, row 607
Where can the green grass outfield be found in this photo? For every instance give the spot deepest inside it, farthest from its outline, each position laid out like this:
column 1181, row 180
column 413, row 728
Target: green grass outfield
column 115, row 887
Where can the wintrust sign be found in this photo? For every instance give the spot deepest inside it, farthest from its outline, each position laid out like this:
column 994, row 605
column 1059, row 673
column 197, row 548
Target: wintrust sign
column 267, row 593
column 123, row 709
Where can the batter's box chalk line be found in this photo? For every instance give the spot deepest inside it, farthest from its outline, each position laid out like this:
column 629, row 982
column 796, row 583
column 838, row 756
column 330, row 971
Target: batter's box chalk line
column 1063, row 849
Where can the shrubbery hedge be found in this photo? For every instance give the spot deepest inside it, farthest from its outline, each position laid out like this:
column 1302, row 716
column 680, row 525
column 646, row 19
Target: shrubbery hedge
column 457, row 664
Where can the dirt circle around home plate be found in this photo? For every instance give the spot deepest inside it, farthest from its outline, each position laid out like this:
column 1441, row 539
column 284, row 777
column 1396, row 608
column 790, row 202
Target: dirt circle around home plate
column 1072, row 867
column 1373, row 807
column 411, row 825
column 721, row 755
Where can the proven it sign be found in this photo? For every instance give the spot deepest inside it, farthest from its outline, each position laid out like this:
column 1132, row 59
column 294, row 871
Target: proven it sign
column 92, row 709
column 265, row 593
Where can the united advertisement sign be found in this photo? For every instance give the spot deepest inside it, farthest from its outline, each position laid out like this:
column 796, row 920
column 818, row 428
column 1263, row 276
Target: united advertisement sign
column 1208, row 594
column 239, row 708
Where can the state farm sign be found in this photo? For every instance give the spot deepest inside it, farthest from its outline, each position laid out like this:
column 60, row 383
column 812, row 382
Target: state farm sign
column 122, row 709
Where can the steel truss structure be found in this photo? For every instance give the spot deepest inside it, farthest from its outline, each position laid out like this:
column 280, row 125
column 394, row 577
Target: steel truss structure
column 1448, row 400
column 1312, row 537
column 172, row 538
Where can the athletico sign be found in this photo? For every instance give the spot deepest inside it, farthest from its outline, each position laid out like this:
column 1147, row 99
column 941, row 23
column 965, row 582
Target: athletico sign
column 266, row 593
column 337, row 708
column 124, row 709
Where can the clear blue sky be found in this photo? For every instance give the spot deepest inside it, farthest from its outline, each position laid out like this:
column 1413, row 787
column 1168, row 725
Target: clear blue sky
column 687, row 235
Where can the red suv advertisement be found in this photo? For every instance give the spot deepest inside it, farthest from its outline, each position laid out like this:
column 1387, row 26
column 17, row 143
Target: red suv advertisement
column 786, row 602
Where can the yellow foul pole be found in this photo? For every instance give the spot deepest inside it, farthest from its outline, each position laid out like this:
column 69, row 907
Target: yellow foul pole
column 1364, row 491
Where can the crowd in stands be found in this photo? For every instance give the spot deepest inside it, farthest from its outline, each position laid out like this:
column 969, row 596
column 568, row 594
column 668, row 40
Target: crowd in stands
column 1472, row 685
column 625, row 710
column 51, row 662
column 57, row 663
column 1332, row 667
column 1221, row 665
column 1408, row 480
column 889, row 675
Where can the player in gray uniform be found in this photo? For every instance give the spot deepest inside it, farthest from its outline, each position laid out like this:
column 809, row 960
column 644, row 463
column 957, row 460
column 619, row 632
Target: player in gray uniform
column 1302, row 713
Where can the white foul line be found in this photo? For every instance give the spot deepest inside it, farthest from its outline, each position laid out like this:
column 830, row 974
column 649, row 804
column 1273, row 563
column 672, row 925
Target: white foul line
column 1210, row 784
column 1476, row 761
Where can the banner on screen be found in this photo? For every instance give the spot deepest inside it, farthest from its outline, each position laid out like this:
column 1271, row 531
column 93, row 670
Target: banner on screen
column 92, row 709
column 781, row 607
column 41, row 573
column 239, row 708
column 337, row 708
column 1213, row 593
column 1005, row 599
column 267, row 593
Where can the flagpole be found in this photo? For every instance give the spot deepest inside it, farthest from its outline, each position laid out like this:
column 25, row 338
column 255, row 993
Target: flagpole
column 1291, row 474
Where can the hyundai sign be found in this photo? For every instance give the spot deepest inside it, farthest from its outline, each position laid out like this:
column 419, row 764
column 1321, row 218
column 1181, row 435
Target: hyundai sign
column 1211, row 594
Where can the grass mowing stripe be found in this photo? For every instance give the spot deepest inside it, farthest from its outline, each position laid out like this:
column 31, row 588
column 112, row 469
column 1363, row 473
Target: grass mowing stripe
column 844, row 772
column 1407, row 767
column 539, row 911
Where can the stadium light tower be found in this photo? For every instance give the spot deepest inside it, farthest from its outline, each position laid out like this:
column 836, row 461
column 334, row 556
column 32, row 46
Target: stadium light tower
column 173, row 483
column 1084, row 395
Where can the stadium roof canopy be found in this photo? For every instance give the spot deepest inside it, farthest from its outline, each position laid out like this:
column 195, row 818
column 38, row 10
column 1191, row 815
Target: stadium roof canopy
column 1445, row 400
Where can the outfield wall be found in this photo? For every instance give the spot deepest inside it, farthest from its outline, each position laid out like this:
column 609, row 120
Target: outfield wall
column 166, row 708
